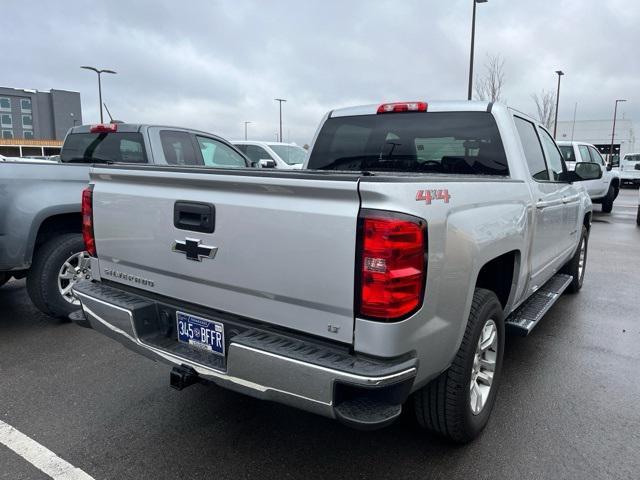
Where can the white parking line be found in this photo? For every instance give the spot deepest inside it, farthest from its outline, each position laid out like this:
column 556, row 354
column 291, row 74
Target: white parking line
column 39, row 456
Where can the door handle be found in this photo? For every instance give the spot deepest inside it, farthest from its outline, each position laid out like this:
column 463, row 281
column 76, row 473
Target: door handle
column 542, row 204
column 194, row 216
column 570, row 199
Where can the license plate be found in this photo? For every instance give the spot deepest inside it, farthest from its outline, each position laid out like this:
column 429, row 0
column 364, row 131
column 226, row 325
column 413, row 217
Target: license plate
column 200, row 333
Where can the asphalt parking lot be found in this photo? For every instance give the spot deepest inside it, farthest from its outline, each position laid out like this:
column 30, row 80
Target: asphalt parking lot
column 567, row 407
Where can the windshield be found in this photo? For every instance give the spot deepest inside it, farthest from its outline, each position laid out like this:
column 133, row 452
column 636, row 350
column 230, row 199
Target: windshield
column 439, row 142
column 632, row 158
column 291, row 154
column 104, row 147
column 568, row 153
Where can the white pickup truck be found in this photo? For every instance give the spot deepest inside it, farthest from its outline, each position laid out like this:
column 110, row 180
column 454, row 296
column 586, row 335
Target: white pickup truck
column 394, row 265
column 604, row 190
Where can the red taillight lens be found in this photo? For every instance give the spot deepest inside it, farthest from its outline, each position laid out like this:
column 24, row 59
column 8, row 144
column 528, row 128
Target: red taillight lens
column 87, row 221
column 392, row 265
column 104, row 128
column 402, row 107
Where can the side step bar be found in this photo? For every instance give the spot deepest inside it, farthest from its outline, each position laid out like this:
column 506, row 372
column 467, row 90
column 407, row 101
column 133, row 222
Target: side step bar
column 527, row 315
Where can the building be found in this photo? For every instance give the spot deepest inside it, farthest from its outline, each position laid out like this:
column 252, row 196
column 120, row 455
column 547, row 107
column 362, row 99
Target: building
column 35, row 123
column 598, row 132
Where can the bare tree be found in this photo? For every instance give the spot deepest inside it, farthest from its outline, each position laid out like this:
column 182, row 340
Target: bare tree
column 489, row 86
column 546, row 106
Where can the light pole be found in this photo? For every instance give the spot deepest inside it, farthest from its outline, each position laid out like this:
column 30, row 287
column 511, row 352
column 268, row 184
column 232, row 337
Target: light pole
column 245, row 129
column 99, row 72
column 280, row 100
column 473, row 42
column 555, row 122
column 613, row 133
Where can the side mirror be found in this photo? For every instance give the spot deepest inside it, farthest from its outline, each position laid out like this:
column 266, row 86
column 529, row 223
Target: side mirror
column 266, row 163
column 588, row 171
column 609, row 167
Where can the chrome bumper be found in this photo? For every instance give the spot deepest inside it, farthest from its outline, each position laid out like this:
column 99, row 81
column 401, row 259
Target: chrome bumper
column 261, row 364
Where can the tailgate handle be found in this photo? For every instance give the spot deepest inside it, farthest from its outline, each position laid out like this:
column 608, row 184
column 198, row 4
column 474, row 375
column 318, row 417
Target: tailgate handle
column 194, row 216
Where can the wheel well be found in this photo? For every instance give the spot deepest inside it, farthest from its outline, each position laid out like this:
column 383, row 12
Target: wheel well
column 497, row 275
column 587, row 221
column 58, row 225
column 616, row 184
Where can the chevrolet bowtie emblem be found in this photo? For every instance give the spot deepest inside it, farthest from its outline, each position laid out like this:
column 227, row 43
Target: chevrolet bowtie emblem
column 194, row 251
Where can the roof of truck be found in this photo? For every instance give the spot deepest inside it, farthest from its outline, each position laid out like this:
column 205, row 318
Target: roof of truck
column 435, row 106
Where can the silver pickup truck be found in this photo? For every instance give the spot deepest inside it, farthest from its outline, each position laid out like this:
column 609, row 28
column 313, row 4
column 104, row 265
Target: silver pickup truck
column 40, row 221
column 394, row 265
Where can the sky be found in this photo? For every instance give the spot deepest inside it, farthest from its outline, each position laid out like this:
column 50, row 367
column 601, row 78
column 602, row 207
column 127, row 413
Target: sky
column 215, row 64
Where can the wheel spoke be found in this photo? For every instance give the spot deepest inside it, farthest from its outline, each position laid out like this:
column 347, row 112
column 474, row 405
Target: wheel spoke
column 487, row 364
column 66, row 289
column 488, row 341
column 68, row 275
column 485, row 378
column 479, row 400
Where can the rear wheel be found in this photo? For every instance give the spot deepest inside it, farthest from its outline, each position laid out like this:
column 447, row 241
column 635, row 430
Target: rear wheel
column 57, row 266
column 607, row 201
column 457, row 404
column 578, row 263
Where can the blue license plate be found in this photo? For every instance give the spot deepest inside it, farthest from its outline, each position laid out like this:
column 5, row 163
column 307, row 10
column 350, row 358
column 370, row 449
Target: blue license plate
column 200, row 333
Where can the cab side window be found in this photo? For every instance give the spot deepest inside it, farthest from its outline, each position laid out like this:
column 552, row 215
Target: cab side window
column 532, row 149
column 255, row 153
column 584, row 153
column 596, row 157
column 217, row 154
column 178, row 148
column 554, row 157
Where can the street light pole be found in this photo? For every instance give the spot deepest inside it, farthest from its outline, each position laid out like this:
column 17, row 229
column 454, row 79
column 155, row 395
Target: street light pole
column 280, row 100
column 245, row 129
column 613, row 133
column 473, row 42
column 555, row 122
column 99, row 72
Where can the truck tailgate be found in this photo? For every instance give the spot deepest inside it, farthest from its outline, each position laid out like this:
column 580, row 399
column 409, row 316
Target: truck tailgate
column 285, row 243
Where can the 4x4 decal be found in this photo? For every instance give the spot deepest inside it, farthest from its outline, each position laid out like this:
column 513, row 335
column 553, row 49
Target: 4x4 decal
column 429, row 196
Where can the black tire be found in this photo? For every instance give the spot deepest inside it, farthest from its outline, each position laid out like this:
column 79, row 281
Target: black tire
column 42, row 280
column 607, row 202
column 638, row 217
column 573, row 266
column 4, row 278
column 444, row 405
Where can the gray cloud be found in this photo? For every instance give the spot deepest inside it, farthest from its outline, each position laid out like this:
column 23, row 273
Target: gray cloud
column 214, row 64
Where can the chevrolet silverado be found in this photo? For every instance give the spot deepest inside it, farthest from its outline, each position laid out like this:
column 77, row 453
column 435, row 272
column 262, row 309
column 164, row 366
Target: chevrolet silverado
column 384, row 274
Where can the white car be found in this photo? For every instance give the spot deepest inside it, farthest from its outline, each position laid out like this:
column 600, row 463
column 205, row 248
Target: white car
column 288, row 156
column 604, row 190
column 630, row 168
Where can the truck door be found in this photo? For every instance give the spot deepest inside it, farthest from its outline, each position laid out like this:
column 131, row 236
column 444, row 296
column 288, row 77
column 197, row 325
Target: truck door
column 603, row 183
column 594, row 187
column 568, row 233
column 548, row 213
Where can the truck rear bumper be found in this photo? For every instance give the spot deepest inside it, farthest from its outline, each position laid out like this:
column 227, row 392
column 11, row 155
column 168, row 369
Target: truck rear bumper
column 304, row 373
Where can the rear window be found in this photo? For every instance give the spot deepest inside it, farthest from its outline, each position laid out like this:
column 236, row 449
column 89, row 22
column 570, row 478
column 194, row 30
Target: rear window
column 568, row 153
column 116, row 147
column 432, row 142
column 632, row 158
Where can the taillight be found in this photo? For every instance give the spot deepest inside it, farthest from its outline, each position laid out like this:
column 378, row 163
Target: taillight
column 402, row 107
column 87, row 221
column 391, row 265
column 104, row 128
